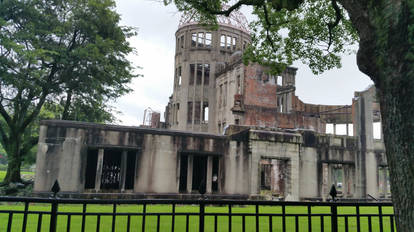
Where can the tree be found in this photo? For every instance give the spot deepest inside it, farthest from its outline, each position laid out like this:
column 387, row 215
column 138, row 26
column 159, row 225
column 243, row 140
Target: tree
column 317, row 32
column 57, row 52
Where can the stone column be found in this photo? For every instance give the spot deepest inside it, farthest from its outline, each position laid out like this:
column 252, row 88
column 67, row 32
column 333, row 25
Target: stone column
column 123, row 170
column 99, row 170
column 190, row 174
column 209, row 174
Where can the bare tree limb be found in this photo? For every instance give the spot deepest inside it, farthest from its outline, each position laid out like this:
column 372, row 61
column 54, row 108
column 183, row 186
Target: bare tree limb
column 204, row 6
column 332, row 25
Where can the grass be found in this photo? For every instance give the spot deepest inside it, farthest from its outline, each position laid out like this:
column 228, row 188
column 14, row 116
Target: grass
column 180, row 221
column 24, row 174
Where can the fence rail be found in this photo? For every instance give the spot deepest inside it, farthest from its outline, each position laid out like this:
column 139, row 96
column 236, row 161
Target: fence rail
column 54, row 214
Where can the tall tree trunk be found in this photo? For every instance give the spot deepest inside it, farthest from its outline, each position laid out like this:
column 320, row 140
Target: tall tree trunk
column 386, row 55
column 14, row 158
column 397, row 111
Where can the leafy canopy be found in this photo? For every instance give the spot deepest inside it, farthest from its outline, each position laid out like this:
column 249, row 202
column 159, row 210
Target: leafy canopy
column 68, row 57
column 315, row 32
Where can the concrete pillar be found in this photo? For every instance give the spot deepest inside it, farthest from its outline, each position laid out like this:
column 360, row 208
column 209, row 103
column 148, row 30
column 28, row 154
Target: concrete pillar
column 99, row 169
column 366, row 162
column 325, row 176
column 209, row 174
column 190, row 174
column 347, row 129
column 123, row 170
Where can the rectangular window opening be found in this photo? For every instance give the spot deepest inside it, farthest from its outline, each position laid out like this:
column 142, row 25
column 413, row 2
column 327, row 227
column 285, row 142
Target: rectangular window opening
column 111, row 169
column 192, row 73
column 205, row 112
column 190, row 112
column 182, row 41
column 197, row 110
column 376, row 129
column 223, row 41
column 193, row 40
column 183, row 173
column 329, row 128
column 91, row 163
column 208, row 39
column 228, row 42
column 199, row 73
column 199, row 173
column 130, row 169
column 341, row 129
column 179, row 76
column 200, row 39
column 206, row 74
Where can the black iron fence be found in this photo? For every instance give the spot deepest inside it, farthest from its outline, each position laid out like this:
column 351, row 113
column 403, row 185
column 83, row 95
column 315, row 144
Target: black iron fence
column 54, row 214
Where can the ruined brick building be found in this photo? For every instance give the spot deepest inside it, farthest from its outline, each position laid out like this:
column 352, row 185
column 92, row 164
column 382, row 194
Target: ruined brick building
column 231, row 128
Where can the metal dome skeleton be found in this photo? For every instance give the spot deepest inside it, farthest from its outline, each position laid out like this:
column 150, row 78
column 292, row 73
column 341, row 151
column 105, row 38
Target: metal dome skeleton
column 236, row 19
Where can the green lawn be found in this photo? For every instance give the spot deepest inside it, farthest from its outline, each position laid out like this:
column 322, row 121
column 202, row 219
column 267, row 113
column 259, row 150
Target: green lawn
column 25, row 175
column 180, row 221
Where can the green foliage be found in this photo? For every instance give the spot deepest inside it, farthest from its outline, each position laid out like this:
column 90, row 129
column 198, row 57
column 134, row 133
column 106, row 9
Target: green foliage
column 286, row 31
column 62, row 59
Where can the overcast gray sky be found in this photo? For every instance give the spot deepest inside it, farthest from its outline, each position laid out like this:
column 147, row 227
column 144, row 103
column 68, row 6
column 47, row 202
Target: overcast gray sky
column 155, row 45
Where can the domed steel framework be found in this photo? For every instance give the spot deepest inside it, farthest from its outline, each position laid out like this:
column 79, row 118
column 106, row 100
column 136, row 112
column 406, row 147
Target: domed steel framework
column 236, row 19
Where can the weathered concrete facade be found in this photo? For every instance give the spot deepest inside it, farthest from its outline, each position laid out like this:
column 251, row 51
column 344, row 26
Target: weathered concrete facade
column 246, row 162
column 262, row 140
column 199, row 53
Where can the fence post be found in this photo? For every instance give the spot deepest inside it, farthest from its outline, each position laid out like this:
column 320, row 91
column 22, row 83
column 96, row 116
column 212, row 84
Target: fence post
column 53, row 216
column 201, row 222
column 334, row 218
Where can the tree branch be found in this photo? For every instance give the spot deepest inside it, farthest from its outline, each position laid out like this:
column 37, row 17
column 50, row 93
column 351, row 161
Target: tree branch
column 5, row 115
column 29, row 145
column 332, row 25
column 268, row 25
column 204, row 6
column 3, row 136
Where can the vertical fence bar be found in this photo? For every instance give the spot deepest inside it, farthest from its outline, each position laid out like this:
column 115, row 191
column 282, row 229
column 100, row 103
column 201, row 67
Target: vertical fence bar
column 334, row 218
column 215, row 223
column 358, row 219
column 346, row 223
column 380, row 218
column 53, row 216
column 9, row 222
column 98, row 223
column 322, row 224
column 257, row 217
column 297, row 223
column 128, row 223
column 83, row 217
column 201, row 217
column 158, row 222
column 392, row 223
column 270, row 224
column 113, row 217
column 68, row 224
column 309, row 219
column 26, row 209
column 144, row 212
column 229, row 217
column 39, row 223
column 173, row 218
column 187, row 221
column 243, row 223
column 369, row 224
column 283, row 218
